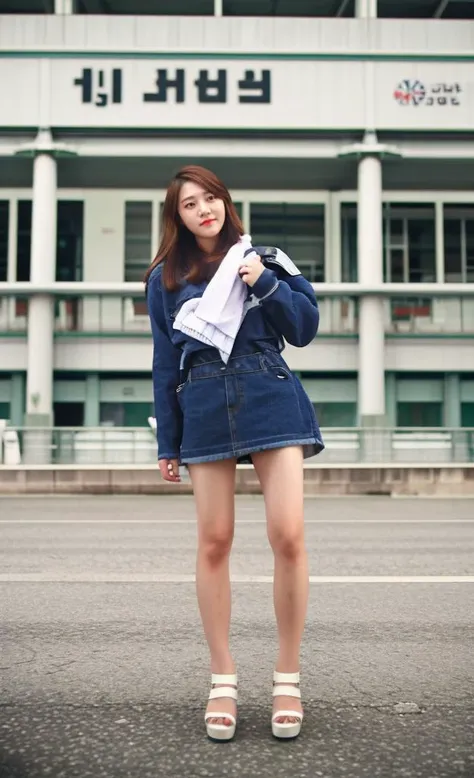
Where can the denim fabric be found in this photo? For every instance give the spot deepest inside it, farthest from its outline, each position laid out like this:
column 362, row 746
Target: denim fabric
column 251, row 404
column 206, row 410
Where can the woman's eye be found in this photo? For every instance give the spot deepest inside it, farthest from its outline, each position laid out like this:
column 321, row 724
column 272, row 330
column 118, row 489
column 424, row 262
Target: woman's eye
column 211, row 198
column 189, row 205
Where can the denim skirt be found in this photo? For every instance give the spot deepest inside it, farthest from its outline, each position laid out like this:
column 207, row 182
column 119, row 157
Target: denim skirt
column 251, row 404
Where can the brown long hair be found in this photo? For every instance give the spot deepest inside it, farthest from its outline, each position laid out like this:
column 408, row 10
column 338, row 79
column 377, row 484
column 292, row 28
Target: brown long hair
column 184, row 258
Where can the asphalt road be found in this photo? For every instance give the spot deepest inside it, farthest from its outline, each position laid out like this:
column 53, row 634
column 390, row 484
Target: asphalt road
column 104, row 669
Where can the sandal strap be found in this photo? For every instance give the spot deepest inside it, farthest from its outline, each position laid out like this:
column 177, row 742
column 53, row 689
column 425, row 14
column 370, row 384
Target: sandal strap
column 223, row 691
column 279, row 690
column 293, row 713
column 286, row 677
column 230, row 679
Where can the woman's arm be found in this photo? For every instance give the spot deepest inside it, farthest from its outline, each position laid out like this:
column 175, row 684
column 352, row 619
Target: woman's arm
column 290, row 305
column 165, row 373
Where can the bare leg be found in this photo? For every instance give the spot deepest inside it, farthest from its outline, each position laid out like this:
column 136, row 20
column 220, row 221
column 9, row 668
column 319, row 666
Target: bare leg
column 280, row 472
column 214, row 487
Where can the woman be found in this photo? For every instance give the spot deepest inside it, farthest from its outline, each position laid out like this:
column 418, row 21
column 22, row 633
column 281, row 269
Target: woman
column 219, row 311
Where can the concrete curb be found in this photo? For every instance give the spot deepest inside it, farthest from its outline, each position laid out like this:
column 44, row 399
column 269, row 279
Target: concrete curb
column 415, row 480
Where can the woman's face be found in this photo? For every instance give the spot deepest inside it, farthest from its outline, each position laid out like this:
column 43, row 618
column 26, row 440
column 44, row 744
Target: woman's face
column 202, row 213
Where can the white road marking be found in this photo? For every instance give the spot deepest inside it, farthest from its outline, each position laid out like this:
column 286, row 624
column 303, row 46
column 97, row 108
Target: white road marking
column 237, row 521
column 92, row 577
column 240, row 498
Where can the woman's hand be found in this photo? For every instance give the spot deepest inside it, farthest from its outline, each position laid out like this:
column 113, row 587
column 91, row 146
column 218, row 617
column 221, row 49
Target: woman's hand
column 169, row 470
column 251, row 270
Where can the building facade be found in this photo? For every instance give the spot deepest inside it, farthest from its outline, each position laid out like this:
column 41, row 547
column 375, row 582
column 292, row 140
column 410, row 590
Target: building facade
column 346, row 138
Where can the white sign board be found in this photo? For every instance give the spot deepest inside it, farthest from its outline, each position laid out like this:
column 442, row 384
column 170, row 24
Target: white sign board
column 421, row 95
column 187, row 93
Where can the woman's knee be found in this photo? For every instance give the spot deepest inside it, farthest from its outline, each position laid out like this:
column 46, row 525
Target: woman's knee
column 287, row 540
column 213, row 486
column 280, row 472
column 215, row 543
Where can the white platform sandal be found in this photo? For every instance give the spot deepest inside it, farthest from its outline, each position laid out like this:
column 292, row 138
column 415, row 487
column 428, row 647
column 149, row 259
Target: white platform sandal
column 222, row 731
column 286, row 730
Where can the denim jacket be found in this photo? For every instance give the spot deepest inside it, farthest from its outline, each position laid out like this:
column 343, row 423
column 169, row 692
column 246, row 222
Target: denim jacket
column 280, row 306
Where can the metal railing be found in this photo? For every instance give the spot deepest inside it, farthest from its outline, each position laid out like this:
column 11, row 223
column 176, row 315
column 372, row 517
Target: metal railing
column 137, row 446
column 120, row 308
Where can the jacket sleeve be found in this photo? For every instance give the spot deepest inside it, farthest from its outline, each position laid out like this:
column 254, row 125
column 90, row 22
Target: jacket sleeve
column 165, row 373
column 290, row 305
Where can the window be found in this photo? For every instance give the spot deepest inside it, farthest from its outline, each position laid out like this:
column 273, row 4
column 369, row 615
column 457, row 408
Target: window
column 69, row 240
column 68, row 414
column 156, row 7
column 23, row 240
column 138, row 248
column 349, row 242
column 125, row 414
column 26, row 6
column 287, row 7
column 69, row 244
column 238, row 208
column 5, row 411
column 459, row 9
column 459, row 243
column 405, row 9
column 336, row 414
column 4, row 210
column 467, row 414
column 297, row 229
column 409, row 243
column 419, row 414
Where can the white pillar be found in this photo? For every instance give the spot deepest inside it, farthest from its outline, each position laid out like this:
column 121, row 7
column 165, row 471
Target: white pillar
column 12, row 233
column 439, row 231
column 218, row 7
column 371, row 309
column 366, row 9
column 452, row 400
column 39, row 397
column 63, row 6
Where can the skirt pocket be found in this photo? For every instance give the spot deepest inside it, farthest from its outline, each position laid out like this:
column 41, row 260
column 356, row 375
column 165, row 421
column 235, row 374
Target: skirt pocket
column 273, row 362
